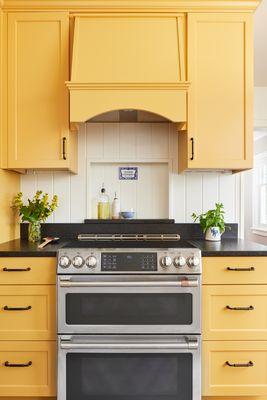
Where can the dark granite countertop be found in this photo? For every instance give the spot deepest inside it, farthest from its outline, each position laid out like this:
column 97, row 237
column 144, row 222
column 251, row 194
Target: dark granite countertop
column 227, row 247
column 23, row 248
column 230, row 247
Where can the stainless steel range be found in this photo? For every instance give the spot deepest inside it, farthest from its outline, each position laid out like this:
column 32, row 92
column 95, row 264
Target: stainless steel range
column 129, row 319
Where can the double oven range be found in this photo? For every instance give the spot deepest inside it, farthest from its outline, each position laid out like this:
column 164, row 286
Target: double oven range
column 129, row 319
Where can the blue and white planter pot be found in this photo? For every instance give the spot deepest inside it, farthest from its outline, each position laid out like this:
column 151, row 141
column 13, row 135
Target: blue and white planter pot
column 213, row 234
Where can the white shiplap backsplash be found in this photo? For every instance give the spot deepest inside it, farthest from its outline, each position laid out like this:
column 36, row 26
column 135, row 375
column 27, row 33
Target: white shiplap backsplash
column 159, row 192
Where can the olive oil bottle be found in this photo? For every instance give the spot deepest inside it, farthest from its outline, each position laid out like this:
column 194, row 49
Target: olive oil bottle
column 103, row 206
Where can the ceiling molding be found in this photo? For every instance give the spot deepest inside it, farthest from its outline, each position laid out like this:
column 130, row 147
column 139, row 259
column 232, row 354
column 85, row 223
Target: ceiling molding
column 122, row 5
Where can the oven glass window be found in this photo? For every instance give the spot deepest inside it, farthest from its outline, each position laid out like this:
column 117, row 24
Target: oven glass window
column 129, row 309
column 129, row 376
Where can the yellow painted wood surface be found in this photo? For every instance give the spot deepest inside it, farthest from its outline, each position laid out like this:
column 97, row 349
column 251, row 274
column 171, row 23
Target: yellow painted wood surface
column 145, row 5
column 221, row 380
column 221, row 323
column 9, row 184
column 216, row 272
column 220, row 107
column 35, row 270
column 37, row 323
column 129, row 48
column 39, row 379
column 38, row 111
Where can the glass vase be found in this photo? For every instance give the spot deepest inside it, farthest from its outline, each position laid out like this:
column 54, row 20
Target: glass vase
column 34, row 232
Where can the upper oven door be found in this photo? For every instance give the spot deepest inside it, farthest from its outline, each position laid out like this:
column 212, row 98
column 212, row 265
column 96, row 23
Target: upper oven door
column 128, row 304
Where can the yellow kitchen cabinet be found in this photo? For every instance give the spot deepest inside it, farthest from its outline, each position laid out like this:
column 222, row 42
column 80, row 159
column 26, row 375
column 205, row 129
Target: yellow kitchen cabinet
column 27, row 270
column 234, row 270
column 234, row 312
column 27, row 312
column 220, row 103
column 37, row 377
column 234, row 368
column 38, row 103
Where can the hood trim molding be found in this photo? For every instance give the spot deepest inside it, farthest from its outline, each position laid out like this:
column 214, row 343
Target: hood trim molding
column 88, row 101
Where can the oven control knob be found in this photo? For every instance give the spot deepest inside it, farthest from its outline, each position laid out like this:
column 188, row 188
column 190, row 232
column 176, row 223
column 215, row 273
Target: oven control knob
column 91, row 262
column 179, row 261
column 78, row 261
column 64, row 262
column 193, row 261
column 166, row 261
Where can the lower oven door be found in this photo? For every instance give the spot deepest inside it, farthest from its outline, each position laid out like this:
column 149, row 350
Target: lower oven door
column 129, row 367
column 129, row 304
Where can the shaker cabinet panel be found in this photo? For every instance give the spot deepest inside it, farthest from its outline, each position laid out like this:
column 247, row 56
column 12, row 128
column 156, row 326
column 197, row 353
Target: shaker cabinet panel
column 234, row 270
column 27, row 368
column 38, row 110
column 27, row 312
column 220, row 104
column 234, row 312
column 234, row 369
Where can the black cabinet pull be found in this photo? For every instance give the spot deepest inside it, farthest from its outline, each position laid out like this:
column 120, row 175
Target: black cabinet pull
column 64, row 154
column 241, row 269
column 241, row 365
column 16, row 269
column 249, row 308
column 192, row 149
column 8, row 364
column 6, row 308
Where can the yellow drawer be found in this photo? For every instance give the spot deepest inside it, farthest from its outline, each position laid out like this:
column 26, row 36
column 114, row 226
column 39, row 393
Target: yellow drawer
column 234, row 312
column 221, row 379
column 27, row 270
column 234, row 270
column 27, row 312
column 37, row 378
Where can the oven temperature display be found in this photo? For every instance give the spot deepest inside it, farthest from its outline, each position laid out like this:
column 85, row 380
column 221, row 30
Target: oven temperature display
column 129, row 262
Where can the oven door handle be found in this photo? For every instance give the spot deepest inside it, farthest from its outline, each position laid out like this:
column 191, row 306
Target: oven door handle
column 187, row 345
column 174, row 284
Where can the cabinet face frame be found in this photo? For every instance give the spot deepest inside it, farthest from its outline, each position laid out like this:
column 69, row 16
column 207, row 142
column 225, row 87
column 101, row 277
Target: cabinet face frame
column 57, row 138
column 203, row 158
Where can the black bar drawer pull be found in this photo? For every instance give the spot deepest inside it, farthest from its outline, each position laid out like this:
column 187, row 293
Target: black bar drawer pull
column 249, row 308
column 64, row 154
column 192, row 149
column 8, row 364
column 241, row 365
column 6, row 308
column 16, row 269
column 240, row 269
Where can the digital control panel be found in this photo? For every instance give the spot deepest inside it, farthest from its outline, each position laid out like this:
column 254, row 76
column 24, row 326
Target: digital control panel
column 129, row 262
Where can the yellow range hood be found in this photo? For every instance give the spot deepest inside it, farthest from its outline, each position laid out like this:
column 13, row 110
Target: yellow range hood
column 128, row 61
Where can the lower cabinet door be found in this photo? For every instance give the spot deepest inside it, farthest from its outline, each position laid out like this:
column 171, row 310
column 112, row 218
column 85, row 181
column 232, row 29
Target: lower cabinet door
column 234, row 368
column 27, row 368
column 27, row 312
column 234, row 312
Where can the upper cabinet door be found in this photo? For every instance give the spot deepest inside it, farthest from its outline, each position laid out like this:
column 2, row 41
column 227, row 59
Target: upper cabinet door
column 220, row 70
column 38, row 110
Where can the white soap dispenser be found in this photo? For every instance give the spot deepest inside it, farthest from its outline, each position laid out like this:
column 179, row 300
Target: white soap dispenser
column 115, row 207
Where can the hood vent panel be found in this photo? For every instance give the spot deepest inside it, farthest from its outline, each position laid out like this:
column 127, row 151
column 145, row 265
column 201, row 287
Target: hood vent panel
column 134, row 61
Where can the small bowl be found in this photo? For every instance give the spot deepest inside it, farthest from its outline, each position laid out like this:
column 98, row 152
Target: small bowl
column 127, row 214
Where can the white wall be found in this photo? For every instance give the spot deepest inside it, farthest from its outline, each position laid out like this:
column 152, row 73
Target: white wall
column 160, row 191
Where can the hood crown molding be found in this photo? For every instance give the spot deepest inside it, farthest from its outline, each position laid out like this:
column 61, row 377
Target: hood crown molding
column 137, row 5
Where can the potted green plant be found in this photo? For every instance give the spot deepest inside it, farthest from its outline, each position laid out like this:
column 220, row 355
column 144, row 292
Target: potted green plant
column 35, row 211
column 212, row 222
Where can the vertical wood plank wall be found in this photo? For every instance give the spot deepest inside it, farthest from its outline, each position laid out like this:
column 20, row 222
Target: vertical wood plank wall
column 159, row 192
